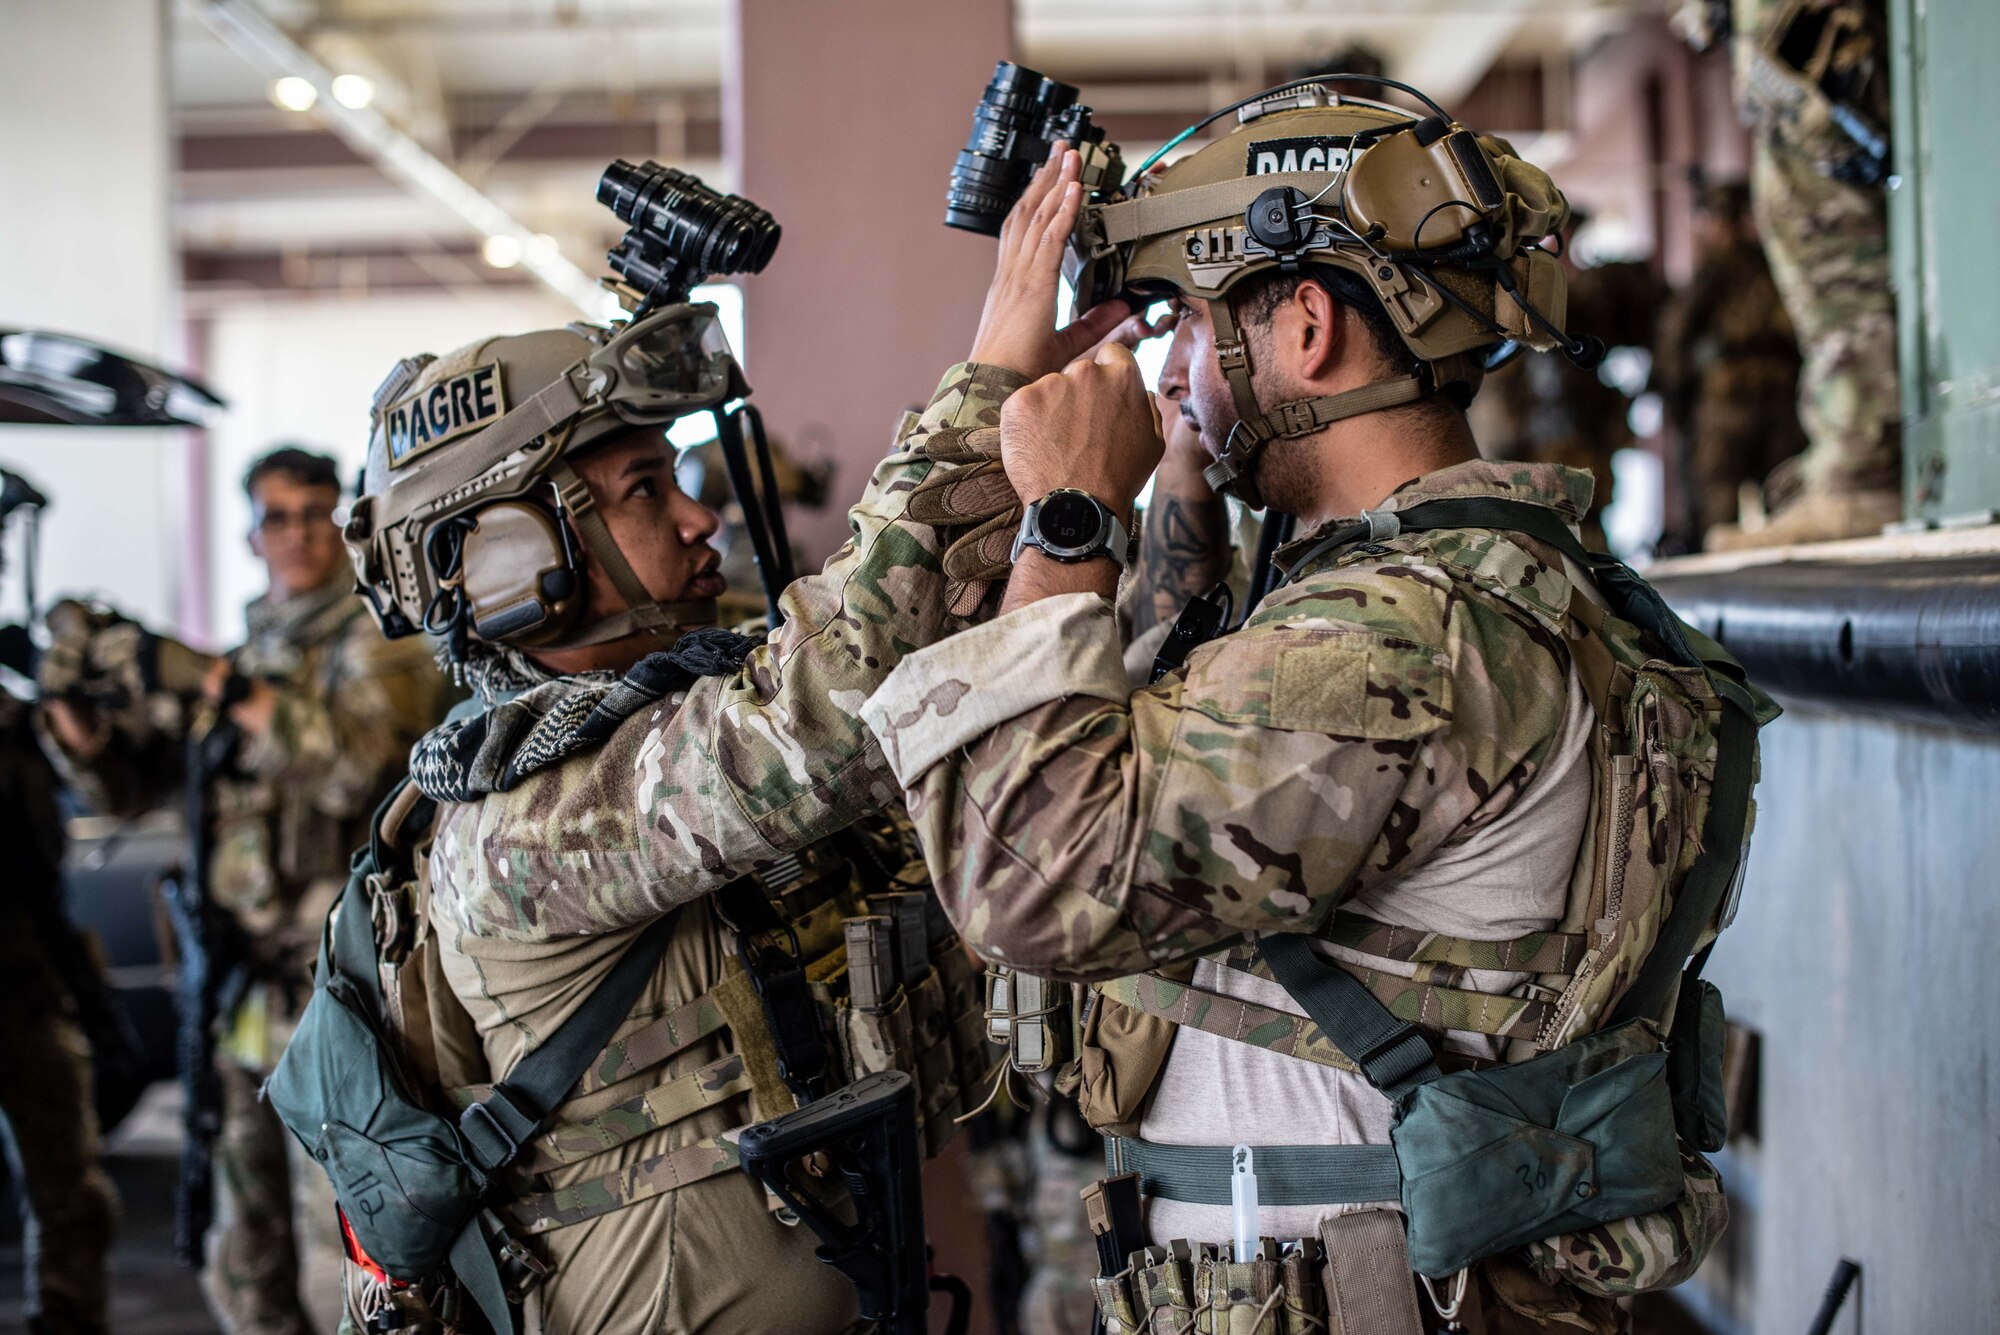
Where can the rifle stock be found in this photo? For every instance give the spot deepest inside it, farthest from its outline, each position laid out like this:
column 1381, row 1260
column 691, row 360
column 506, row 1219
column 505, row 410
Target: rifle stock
column 869, row 1130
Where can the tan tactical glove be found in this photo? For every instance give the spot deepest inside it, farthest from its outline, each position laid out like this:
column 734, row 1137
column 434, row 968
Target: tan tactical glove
column 973, row 506
column 66, row 662
column 95, row 655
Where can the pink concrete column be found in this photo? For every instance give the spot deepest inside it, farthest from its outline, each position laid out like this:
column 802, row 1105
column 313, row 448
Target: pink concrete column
column 842, row 117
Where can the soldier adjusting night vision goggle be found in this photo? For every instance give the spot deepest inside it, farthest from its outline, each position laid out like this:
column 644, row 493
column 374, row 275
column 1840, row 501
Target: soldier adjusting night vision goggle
column 1441, row 225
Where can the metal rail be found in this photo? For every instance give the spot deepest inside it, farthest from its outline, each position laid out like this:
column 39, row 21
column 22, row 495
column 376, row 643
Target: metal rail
column 1916, row 639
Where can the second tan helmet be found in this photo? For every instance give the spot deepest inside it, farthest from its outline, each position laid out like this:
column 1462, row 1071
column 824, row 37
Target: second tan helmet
column 473, row 520
column 1441, row 225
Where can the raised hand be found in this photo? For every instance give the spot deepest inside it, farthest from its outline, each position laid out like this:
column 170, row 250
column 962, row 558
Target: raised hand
column 1017, row 328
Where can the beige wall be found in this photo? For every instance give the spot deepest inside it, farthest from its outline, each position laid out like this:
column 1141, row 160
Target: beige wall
column 842, row 118
column 84, row 249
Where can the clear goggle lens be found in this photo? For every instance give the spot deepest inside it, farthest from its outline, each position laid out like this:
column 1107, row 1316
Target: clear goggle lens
column 673, row 362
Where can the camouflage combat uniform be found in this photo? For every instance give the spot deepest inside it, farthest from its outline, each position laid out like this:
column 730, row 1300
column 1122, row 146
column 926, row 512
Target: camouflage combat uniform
column 285, row 819
column 45, row 1076
column 1828, row 244
column 1728, row 365
column 1376, row 714
column 537, row 891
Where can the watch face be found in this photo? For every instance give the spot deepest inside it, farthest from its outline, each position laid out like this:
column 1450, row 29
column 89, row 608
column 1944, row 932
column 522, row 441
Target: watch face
column 1069, row 519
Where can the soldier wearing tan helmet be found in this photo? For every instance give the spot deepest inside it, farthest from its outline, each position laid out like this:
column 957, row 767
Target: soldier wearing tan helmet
column 1396, row 776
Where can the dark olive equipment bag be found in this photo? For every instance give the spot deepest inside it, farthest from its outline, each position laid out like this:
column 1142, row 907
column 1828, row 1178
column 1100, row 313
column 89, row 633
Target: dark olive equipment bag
column 412, row 1183
column 1492, row 1159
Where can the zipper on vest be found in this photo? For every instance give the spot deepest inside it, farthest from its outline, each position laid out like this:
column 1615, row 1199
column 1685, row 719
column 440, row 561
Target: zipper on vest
column 1624, row 769
column 1617, row 847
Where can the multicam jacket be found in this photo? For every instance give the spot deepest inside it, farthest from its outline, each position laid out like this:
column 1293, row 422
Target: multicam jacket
column 535, row 892
column 296, row 802
column 1083, row 830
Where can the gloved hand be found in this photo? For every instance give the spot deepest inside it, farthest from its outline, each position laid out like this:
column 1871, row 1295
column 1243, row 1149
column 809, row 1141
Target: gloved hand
column 973, row 507
column 74, row 664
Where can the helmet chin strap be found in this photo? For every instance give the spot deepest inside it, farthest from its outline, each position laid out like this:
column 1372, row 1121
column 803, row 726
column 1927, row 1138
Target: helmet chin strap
column 1234, row 470
column 643, row 613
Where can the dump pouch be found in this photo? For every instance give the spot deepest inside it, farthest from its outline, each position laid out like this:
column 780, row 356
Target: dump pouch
column 1493, row 1159
column 1694, row 1066
column 400, row 1172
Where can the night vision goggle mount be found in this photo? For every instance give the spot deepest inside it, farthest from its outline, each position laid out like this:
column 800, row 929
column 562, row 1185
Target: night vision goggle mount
column 1443, row 227
column 485, row 538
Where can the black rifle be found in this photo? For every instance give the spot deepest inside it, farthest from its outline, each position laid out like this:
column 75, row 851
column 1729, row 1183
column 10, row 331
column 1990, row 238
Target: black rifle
column 210, row 974
column 869, row 1131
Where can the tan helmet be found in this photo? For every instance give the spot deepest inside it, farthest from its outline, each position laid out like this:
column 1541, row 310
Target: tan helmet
column 472, row 511
column 1441, row 225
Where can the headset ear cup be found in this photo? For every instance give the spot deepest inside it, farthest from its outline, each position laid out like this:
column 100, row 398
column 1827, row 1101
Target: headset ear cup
column 521, row 584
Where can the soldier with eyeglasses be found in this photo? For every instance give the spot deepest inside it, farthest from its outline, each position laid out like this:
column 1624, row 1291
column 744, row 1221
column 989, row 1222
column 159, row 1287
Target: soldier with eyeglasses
column 327, row 710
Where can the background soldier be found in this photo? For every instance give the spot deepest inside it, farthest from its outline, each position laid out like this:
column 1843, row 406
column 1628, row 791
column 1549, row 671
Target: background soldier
column 1542, row 408
column 1727, row 365
column 1812, row 81
column 46, row 1090
column 328, row 711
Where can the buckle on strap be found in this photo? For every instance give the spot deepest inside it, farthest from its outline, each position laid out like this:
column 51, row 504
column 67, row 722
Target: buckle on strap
column 489, row 1144
column 521, row 1271
column 1295, row 419
column 1401, row 1053
column 1232, row 355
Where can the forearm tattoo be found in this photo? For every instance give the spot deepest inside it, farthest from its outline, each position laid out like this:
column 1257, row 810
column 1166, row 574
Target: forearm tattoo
column 1185, row 551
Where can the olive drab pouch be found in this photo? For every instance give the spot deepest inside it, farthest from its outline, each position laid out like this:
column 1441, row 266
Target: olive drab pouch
column 412, row 1184
column 1494, row 1159
column 399, row 1170
column 1694, row 1066
column 1491, row 1159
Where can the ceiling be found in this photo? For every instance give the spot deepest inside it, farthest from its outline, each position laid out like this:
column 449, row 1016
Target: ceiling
column 526, row 100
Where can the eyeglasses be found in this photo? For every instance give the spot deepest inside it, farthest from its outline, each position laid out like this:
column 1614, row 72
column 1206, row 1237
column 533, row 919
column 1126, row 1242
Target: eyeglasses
column 306, row 520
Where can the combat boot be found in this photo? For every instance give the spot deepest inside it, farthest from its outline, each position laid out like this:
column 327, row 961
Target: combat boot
column 1814, row 517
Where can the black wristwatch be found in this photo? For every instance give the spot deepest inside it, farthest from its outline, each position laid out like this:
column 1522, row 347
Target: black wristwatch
column 1071, row 525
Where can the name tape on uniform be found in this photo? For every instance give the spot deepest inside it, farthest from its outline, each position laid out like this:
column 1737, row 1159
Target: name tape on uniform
column 1312, row 153
column 445, row 411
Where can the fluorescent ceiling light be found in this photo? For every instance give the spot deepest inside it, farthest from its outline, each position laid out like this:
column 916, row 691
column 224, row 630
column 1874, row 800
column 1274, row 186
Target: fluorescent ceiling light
column 294, row 93
column 353, row 91
column 502, row 252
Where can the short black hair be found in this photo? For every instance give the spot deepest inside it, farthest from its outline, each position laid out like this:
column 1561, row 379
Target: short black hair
column 301, row 466
column 1259, row 296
